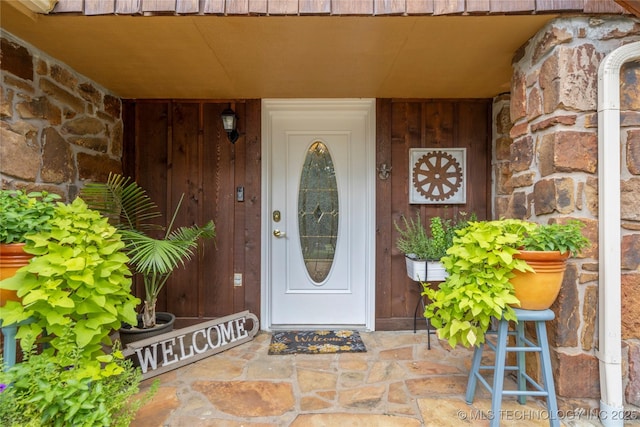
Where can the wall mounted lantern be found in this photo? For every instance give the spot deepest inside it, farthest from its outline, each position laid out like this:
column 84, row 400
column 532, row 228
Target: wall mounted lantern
column 229, row 120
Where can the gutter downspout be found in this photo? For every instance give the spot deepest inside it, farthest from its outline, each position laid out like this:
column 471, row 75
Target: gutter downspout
column 609, row 307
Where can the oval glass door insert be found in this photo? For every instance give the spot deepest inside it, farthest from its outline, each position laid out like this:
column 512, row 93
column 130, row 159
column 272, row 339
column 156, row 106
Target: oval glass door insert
column 318, row 212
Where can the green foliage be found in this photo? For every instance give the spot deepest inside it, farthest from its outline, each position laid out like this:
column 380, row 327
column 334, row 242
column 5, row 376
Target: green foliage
column 563, row 237
column 477, row 289
column 77, row 288
column 60, row 390
column 21, row 213
column 415, row 242
column 413, row 239
column 480, row 264
column 154, row 258
column 124, row 202
column 441, row 236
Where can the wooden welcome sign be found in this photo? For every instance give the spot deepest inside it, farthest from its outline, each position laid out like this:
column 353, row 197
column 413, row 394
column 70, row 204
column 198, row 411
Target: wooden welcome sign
column 163, row 353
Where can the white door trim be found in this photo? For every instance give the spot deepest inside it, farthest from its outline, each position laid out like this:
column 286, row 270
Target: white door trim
column 366, row 107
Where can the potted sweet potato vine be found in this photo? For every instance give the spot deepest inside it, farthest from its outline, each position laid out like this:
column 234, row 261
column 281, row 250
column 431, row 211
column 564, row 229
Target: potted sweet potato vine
column 485, row 261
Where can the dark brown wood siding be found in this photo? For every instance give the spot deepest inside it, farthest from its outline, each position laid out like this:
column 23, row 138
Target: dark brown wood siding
column 179, row 147
column 405, row 124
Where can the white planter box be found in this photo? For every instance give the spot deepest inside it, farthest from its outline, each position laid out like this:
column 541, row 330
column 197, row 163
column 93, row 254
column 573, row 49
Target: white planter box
column 425, row 271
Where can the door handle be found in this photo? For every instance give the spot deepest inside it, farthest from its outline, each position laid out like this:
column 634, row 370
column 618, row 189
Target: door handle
column 278, row 233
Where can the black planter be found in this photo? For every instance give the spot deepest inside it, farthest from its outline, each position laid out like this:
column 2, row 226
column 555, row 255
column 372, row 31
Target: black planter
column 164, row 323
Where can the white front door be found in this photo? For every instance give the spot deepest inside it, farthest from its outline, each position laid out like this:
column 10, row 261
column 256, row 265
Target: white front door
column 318, row 213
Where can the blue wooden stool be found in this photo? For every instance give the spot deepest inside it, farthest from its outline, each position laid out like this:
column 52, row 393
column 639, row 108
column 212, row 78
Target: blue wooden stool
column 9, row 346
column 522, row 345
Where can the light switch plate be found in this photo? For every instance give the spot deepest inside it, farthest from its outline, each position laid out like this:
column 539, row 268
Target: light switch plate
column 237, row 279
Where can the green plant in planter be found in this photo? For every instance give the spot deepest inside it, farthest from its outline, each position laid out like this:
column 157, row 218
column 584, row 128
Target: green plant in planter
column 480, row 264
column 22, row 213
column 415, row 242
column 61, row 390
column 154, row 258
column 77, row 288
column 563, row 237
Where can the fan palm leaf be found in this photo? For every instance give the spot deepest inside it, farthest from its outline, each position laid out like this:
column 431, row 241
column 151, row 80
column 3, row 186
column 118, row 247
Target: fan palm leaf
column 161, row 256
column 155, row 259
column 124, row 200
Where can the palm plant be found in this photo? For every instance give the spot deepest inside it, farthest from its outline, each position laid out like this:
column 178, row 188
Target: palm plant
column 127, row 204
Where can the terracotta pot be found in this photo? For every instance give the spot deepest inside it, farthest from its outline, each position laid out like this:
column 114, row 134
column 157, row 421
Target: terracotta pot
column 12, row 257
column 538, row 290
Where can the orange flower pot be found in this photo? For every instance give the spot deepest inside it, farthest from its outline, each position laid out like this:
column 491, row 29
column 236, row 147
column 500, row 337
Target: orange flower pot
column 538, row 290
column 12, row 258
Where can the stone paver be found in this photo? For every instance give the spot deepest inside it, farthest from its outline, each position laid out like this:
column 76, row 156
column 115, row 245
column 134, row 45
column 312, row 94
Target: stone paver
column 354, row 420
column 248, row 398
column 397, row 382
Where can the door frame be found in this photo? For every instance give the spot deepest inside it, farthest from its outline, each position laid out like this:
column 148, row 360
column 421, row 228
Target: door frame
column 271, row 107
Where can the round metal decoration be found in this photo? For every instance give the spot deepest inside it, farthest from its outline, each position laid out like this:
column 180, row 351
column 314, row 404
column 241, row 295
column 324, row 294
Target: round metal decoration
column 438, row 176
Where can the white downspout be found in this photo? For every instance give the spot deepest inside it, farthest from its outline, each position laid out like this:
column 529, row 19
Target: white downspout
column 610, row 342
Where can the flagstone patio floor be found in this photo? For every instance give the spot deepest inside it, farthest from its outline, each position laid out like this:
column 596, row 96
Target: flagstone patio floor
column 397, row 382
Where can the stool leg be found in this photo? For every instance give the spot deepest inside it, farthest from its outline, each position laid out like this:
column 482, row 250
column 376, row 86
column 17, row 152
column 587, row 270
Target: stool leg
column 498, row 373
column 520, row 358
column 473, row 379
column 547, row 374
column 9, row 350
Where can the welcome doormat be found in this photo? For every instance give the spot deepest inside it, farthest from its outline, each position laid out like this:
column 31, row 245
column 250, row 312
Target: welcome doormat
column 316, row 342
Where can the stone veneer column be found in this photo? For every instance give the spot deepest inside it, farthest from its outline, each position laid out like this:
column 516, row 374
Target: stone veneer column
column 545, row 168
column 57, row 127
column 630, row 215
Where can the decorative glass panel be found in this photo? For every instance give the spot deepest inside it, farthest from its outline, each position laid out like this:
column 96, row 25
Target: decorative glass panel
column 318, row 212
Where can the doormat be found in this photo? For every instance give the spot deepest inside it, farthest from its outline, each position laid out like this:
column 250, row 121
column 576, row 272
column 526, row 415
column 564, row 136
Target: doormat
column 316, row 342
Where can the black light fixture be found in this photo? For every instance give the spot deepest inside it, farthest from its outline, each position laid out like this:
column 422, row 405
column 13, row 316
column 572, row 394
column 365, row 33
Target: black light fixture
column 229, row 120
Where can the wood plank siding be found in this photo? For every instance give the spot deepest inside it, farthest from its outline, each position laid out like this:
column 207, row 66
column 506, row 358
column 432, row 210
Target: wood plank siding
column 402, row 125
column 337, row 7
column 178, row 147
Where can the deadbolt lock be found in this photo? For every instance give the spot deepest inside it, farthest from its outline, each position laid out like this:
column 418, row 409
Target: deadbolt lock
column 276, row 216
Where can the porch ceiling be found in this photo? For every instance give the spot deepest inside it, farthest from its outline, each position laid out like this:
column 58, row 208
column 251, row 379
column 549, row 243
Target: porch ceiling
column 214, row 57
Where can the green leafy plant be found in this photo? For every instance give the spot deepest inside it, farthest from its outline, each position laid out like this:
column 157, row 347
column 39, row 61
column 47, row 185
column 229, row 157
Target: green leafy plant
column 77, row 288
column 415, row 242
column 61, row 390
column 154, row 258
column 22, row 213
column 413, row 239
column 480, row 264
column 563, row 237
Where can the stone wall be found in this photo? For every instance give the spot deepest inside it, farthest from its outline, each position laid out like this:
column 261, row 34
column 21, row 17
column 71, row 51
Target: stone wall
column 630, row 215
column 57, row 127
column 545, row 168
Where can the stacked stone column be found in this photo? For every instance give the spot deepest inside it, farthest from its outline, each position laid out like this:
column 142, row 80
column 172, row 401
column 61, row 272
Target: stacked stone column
column 545, row 169
column 57, row 127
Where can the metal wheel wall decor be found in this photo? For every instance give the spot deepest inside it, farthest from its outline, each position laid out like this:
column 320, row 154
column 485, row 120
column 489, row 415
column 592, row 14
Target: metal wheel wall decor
column 438, row 175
